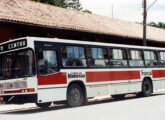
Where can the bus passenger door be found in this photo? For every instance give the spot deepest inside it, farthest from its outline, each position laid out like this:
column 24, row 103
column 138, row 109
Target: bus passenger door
column 50, row 79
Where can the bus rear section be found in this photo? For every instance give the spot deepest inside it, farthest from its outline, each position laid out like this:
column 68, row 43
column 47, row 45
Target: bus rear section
column 18, row 83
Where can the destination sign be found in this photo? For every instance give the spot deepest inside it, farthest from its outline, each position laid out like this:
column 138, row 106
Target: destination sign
column 13, row 45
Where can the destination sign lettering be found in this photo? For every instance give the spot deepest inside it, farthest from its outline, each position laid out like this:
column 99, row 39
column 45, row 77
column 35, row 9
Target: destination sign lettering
column 13, row 45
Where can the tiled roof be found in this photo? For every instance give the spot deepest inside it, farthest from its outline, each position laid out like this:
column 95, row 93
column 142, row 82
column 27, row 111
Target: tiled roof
column 27, row 11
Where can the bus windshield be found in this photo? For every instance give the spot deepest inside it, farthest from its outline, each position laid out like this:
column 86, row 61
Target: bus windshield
column 17, row 64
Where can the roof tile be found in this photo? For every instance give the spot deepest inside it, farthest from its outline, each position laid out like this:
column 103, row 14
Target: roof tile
column 28, row 11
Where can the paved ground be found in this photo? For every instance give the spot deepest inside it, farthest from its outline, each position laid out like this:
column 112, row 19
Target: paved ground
column 131, row 108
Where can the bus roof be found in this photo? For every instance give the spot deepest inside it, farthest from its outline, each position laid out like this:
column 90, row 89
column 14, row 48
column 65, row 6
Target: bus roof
column 82, row 42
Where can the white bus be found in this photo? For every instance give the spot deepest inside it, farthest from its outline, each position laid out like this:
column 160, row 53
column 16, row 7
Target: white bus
column 46, row 70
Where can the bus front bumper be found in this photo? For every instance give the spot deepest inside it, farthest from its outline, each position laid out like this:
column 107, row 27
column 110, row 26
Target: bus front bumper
column 19, row 99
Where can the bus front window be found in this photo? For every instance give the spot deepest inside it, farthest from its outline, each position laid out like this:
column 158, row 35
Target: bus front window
column 17, row 64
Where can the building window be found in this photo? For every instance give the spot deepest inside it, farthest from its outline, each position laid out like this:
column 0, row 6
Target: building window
column 135, row 58
column 73, row 56
column 118, row 58
column 97, row 57
column 150, row 58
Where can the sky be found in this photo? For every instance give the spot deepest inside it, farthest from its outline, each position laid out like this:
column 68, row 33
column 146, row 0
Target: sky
column 129, row 10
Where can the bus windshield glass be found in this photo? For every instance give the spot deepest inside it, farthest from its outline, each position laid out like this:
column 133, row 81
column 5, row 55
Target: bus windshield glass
column 17, row 64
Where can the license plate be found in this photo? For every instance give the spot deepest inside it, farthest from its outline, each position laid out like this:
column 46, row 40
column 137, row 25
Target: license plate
column 1, row 99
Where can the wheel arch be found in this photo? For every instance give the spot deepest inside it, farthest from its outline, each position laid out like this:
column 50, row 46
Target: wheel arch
column 82, row 85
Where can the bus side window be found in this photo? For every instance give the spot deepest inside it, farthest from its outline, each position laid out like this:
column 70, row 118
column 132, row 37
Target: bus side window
column 162, row 58
column 73, row 56
column 150, row 58
column 118, row 58
column 47, row 62
column 135, row 58
column 97, row 57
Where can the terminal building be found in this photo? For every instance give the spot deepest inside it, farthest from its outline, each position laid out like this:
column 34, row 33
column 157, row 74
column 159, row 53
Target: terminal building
column 21, row 18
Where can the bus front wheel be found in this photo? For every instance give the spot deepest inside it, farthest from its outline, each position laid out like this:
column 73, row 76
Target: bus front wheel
column 75, row 95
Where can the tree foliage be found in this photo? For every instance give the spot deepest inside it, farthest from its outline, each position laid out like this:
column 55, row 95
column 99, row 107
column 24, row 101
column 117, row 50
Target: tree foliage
column 87, row 11
column 71, row 4
column 158, row 25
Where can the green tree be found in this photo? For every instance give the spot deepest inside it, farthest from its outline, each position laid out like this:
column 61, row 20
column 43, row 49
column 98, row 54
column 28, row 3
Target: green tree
column 71, row 4
column 87, row 11
column 161, row 25
column 158, row 25
column 153, row 24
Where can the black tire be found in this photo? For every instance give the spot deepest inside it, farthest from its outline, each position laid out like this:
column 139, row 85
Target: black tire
column 43, row 105
column 118, row 96
column 75, row 95
column 139, row 94
column 147, row 88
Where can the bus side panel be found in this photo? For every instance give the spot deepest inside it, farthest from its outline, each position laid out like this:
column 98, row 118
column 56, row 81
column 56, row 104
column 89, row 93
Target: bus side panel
column 111, row 89
column 52, row 87
column 122, row 88
column 51, row 94
column 97, row 90
column 158, row 79
column 156, row 85
column 163, row 84
column 113, row 82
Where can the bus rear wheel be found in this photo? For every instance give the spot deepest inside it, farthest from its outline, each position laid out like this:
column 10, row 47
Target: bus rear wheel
column 147, row 88
column 75, row 95
column 43, row 105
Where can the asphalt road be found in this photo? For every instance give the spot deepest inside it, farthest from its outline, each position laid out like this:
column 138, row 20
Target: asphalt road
column 130, row 108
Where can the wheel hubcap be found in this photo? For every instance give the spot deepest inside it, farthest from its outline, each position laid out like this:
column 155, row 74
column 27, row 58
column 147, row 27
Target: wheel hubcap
column 147, row 87
column 75, row 95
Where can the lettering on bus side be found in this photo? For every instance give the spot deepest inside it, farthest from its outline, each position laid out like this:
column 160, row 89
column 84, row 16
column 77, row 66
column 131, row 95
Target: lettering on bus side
column 146, row 73
column 76, row 75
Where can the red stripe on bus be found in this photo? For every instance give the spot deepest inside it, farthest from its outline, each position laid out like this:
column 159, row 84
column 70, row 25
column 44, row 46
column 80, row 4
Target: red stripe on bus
column 12, row 91
column 19, row 91
column 158, row 73
column 112, row 76
column 59, row 78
